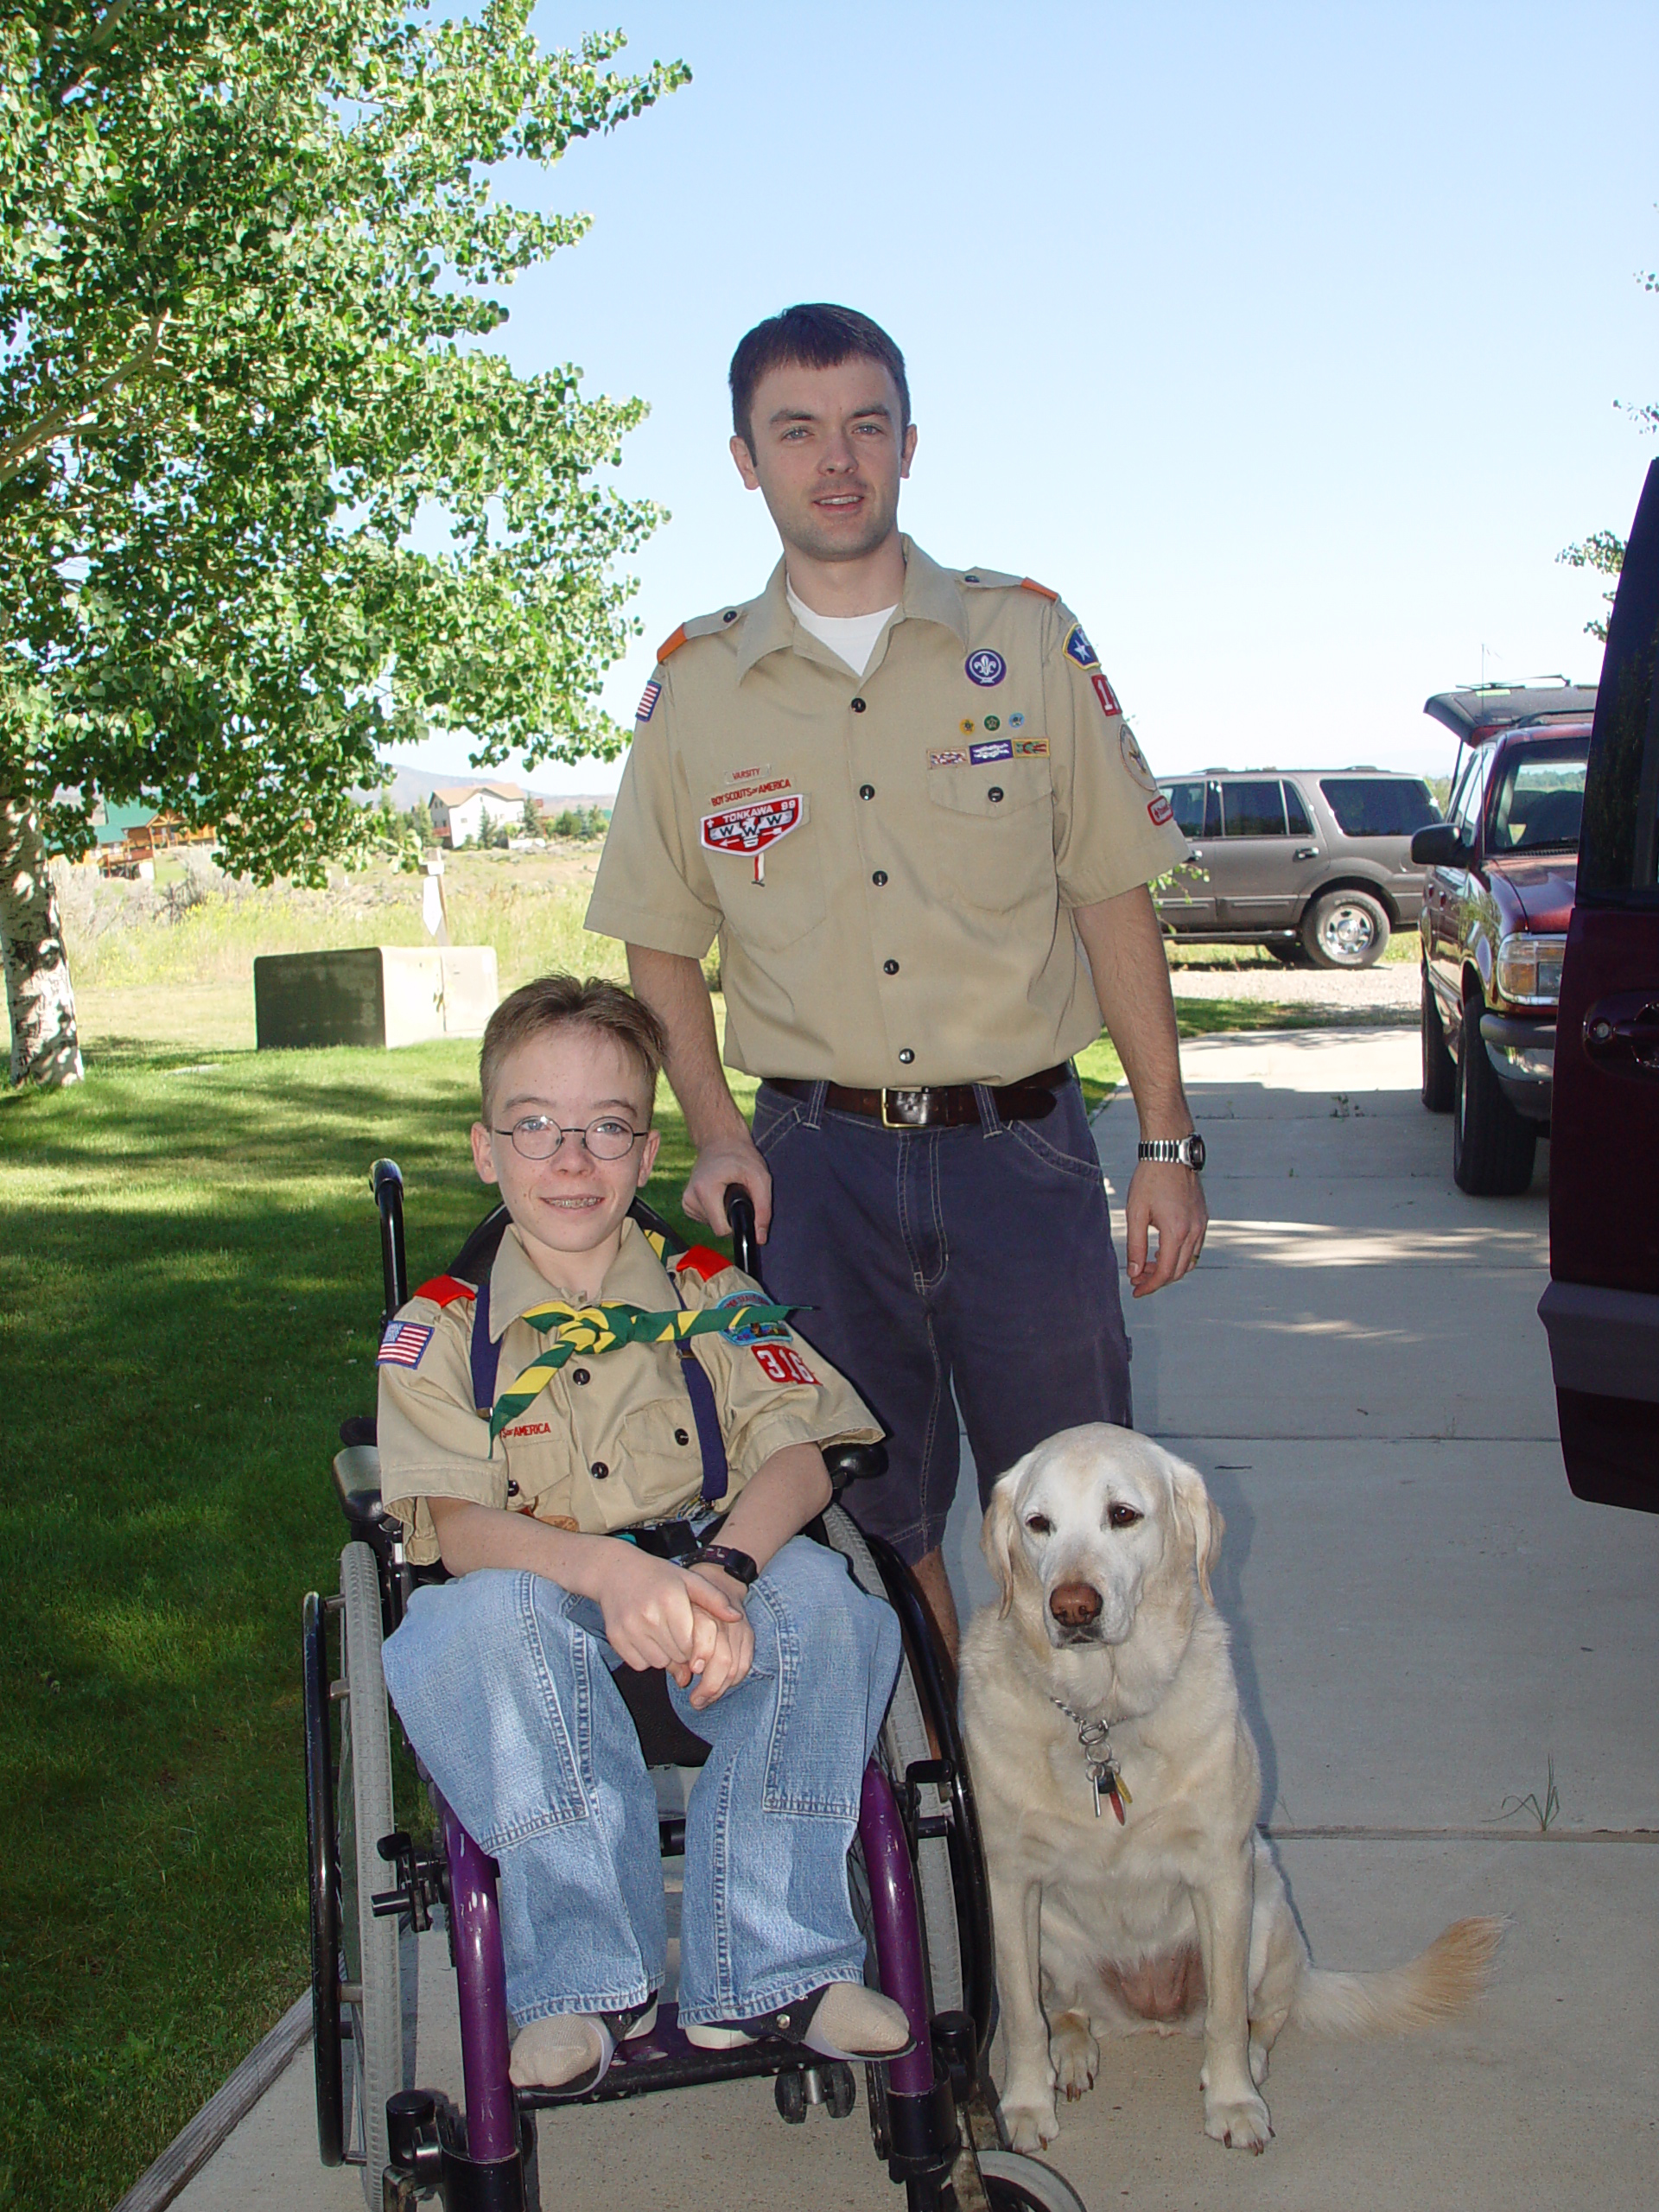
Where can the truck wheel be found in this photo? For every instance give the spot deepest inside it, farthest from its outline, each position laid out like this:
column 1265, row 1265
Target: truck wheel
column 1492, row 1146
column 1344, row 929
column 1440, row 1070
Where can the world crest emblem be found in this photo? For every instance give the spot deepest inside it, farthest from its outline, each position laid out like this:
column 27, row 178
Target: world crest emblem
column 985, row 667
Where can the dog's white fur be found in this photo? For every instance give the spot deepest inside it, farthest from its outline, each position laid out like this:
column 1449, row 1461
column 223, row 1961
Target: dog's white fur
column 1089, row 1912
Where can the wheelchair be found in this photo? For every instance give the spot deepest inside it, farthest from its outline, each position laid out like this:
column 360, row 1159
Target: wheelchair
column 916, row 1873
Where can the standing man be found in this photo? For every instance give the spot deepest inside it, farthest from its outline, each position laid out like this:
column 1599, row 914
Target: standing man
column 905, row 801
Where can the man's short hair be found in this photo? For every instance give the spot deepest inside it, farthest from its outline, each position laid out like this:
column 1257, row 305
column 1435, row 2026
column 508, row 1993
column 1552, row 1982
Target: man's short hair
column 563, row 1002
column 816, row 336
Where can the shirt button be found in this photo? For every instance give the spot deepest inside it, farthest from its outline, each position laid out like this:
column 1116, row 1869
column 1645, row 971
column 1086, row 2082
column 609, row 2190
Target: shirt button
column 906, row 1056
column 680, row 1436
column 880, row 876
column 599, row 1470
column 858, row 706
column 867, row 790
column 730, row 615
column 889, row 967
column 994, row 793
column 512, row 1488
column 578, row 1375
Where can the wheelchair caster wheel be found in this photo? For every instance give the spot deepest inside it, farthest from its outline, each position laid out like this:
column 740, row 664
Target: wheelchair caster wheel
column 789, row 2091
column 840, row 2091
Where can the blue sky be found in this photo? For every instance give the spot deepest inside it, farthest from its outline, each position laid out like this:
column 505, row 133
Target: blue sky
column 1284, row 341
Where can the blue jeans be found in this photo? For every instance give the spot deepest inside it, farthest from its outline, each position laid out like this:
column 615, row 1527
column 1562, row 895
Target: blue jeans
column 502, row 1680
column 975, row 1261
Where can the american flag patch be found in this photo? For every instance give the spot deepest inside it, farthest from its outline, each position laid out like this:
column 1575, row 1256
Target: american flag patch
column 648, row 699
column 403, row 1344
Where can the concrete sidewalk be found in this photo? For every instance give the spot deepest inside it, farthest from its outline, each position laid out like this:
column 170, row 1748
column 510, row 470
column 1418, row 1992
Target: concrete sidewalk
column 1424, row 1620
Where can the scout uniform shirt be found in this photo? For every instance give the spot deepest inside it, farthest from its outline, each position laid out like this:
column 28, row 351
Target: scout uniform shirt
column 611, row 1438
column 885, row 858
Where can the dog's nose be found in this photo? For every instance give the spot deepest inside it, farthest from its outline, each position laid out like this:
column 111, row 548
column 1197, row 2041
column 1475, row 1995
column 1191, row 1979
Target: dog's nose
column 1075, row 1605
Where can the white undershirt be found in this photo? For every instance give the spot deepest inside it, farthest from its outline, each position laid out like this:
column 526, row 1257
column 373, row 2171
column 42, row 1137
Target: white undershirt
column 851, row 637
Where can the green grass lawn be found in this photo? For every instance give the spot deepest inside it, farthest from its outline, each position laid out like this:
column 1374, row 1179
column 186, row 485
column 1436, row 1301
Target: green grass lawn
column 189, row 1311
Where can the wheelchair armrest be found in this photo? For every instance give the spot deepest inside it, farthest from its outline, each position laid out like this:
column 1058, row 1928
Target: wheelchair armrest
column 852, row 1463
column 357, row 1485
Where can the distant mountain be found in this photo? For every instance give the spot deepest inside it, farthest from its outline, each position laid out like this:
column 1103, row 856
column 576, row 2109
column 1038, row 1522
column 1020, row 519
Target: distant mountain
column 409, row 784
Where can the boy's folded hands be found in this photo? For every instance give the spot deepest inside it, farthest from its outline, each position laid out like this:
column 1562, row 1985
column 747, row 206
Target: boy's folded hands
column 660, row 1615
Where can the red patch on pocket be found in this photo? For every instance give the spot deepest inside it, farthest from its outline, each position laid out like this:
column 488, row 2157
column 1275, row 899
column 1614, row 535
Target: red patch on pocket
column 1161, row 810
column 784, row 1365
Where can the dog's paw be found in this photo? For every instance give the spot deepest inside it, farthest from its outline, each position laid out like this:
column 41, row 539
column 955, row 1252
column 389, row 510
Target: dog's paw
column 1076, row 2055
column 1031, row 2126
column 1240, row 2123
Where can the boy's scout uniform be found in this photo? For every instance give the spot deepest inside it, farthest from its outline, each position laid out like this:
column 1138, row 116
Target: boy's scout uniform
column 884, row 857
column 609, row 1439
column 886, row 860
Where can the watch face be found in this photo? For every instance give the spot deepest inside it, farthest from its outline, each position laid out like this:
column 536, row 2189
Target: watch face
column 1194, row 1149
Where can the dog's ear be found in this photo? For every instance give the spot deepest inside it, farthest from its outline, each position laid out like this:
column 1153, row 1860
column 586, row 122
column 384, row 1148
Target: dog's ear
column 1198, row 1520
column 997, row 1538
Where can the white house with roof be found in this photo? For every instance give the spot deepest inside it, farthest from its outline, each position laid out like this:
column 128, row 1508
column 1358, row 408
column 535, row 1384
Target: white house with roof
column 458, row 810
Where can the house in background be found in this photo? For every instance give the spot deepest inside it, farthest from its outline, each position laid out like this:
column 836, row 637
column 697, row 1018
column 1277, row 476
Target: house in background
column 458, row 810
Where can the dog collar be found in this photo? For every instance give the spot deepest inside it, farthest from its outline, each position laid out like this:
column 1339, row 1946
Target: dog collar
column 1105, row 1774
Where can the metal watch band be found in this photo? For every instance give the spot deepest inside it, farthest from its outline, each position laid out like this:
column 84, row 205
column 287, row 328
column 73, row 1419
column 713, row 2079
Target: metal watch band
column 737, row 1565
column 1183, row 1152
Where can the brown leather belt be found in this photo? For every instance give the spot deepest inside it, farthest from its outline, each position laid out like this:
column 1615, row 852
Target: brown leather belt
column 944, row 1106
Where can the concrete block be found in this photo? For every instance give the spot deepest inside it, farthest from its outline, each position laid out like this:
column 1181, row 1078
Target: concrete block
column 381, row 995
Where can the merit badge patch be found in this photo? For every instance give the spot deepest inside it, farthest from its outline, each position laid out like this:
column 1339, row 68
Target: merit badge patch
column 951, row 756
column 1026, row 748
column 784, row 1366
column 749, row 831
column 1136, row 761
column 998, row 748
column 647, row 706
column 1161, row 810
column 753, row 1332
column 1104, row 693
column 985, row 668
column 1078, row 648
column 1016, row 722
column 403, row 1344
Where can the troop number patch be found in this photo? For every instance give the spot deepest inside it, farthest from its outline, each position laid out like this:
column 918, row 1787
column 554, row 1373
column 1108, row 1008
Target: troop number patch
column 785, row 1365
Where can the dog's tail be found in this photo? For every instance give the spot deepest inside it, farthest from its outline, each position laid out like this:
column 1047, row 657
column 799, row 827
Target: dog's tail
column 1439, row 1982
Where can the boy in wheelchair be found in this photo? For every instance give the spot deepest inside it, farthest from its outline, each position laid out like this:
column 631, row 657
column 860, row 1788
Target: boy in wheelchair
column 564, row 1439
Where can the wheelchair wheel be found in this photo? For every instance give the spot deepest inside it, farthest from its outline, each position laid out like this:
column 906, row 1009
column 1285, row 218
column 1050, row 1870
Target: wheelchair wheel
column 905, row 1739
column 370, row 1986
column 1014, row 2182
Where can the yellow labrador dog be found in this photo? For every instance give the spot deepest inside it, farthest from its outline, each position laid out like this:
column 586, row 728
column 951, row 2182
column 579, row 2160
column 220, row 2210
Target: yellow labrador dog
column 1119, row 1789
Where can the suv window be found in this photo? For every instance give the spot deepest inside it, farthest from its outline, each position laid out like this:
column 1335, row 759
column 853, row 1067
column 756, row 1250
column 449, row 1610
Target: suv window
column 1540, row 798
column 1253, row 809
column 1465, row 800
column 1378, row 806
column 1187, row 800
column 1296, row 813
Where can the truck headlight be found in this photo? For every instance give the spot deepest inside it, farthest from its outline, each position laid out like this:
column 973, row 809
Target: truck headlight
column 1530, row 969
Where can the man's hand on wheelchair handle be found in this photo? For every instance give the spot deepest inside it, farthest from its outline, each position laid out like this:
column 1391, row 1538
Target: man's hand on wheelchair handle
column 731, row 1160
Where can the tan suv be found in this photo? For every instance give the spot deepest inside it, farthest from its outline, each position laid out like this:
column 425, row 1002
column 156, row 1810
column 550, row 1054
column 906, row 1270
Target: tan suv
column 1312, row 863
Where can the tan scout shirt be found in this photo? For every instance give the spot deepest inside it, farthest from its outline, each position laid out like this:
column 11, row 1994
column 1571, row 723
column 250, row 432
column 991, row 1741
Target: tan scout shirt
column 885, row 858
column 612, row 1439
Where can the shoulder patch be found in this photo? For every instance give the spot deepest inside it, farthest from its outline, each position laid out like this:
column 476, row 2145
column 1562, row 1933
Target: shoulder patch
column 699, row 625
column 701, row 1262
column 444, row 1290
column 1030, row 583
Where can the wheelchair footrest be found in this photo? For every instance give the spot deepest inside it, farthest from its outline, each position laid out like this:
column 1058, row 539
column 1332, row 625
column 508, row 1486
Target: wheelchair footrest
column 664, row 2060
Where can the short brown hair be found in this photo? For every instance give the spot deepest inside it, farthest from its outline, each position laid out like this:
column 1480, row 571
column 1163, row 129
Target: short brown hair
column 816, row 336
column 563, row 1002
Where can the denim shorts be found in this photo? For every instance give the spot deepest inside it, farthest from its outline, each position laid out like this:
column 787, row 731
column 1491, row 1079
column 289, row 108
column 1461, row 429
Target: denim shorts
column 944, row 1268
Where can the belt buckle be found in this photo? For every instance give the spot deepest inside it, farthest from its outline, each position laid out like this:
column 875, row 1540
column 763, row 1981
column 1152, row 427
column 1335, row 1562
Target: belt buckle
column 902, row 1121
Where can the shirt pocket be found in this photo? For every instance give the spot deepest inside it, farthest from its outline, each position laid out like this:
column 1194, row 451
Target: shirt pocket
column 992, row 824
column 786, row 899
column 658, row 1465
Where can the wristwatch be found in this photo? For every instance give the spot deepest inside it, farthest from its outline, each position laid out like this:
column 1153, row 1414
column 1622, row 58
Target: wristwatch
column 737, row 1565
column 1183, row 1152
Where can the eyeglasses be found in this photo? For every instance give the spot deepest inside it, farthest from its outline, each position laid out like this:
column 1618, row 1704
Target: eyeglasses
column 536, row 1138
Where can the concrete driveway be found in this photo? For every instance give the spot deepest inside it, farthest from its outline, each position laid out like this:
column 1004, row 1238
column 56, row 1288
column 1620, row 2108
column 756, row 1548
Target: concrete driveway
column 1425, row 1620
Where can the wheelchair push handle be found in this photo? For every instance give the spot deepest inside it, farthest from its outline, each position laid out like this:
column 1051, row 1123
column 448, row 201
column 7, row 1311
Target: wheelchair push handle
column 740, row 1211
column 387, row 1179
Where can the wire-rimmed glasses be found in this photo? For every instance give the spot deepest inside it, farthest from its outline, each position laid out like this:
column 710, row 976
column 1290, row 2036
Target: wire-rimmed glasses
column 537, row 1138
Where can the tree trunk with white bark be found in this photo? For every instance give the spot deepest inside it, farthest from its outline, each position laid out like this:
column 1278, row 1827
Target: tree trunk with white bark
column 40, row 997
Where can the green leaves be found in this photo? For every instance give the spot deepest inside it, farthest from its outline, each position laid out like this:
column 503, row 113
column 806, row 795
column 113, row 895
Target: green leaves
column 247, row 254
